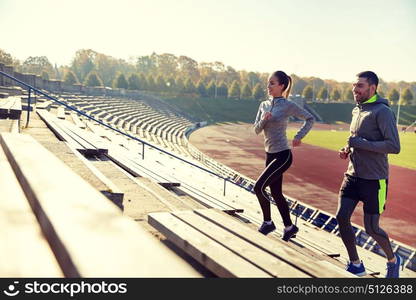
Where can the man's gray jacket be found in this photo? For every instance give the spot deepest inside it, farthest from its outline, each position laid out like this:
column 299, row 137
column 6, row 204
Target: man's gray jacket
column 373, row 135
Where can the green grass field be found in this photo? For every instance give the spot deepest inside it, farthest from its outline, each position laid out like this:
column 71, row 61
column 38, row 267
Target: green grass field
column 334, row 140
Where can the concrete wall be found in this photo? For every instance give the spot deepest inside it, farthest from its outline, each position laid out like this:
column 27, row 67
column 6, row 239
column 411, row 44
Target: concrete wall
column 57, row 86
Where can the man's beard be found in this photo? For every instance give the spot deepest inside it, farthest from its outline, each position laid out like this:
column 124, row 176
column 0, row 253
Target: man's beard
column 363, row 96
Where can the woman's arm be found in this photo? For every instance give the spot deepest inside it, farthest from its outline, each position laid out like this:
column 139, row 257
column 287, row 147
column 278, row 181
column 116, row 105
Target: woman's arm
column 304, row 115
column 260, row 121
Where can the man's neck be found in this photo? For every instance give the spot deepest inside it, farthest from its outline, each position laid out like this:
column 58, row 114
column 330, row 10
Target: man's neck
column 372, row 99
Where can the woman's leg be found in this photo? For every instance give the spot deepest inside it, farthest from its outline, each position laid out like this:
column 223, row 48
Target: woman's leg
column 280, row 162
column 277, row 194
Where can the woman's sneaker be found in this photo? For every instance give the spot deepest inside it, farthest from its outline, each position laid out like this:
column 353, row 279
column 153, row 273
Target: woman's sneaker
column 267, row 228
column 393, row 269
column 291, row 233
column 356, row 270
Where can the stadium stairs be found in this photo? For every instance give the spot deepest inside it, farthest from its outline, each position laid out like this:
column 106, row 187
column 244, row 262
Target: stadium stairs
column 124, row 198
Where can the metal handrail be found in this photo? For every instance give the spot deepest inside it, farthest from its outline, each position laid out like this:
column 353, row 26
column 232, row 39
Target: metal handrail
column 29, row 87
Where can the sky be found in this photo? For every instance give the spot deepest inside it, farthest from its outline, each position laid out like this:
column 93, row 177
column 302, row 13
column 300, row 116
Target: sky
column 330, row 39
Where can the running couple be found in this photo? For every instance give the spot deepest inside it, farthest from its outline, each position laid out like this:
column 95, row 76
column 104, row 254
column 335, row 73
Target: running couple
column 373, row 135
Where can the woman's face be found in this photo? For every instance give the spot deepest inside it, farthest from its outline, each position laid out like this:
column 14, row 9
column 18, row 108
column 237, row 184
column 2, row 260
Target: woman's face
column 274, row 87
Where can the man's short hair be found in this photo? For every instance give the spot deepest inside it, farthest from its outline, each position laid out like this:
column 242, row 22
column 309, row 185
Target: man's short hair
column 370, row 76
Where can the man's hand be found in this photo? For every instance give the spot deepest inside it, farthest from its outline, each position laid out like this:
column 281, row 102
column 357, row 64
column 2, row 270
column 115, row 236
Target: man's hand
column 267, row 116
column 296, row 142
column 344, row 153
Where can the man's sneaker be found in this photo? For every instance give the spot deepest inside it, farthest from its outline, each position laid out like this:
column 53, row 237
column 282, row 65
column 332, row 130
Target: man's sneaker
column 359, row 271
column 267, row 228
column 291, row 233
column 393, row 269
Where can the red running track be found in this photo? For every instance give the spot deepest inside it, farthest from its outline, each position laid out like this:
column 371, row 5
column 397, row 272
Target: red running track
column 314, row 177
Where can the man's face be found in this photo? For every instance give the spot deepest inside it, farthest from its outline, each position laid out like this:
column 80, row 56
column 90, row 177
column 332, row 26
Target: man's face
column 362, row 91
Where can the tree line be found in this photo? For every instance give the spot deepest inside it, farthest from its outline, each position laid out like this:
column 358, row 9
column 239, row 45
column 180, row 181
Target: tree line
column 172, row 75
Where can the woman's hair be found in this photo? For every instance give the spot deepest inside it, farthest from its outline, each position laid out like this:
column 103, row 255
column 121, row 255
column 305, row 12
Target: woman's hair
column 284, row 79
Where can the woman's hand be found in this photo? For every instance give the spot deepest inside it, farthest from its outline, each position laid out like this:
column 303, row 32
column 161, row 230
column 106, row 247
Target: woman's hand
column 296, row 142
column 267, row 116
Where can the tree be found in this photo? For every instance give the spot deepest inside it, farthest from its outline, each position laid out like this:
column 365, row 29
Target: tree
column 347, row 95
column 211, row 88
column 317, row 83
column 394, row 96
column 171, row 84
column 407, row 96
column 37, row 65
column 143, row 82
column 92, row 79
column 146, row 64
column 106, row 66
column 323, row 93
column 83, row 63
column 336, row 95
column 133, row 82
column 206, row 71
column 160, row 83
column 231, row 75
column 259, row 92
column 308, row 93
column 222, row 90
column 381, row 94
column 167, row 64
column 57, row 74
column 202, row 91
column 70, row 78
column 190, row 86
column 188, row 68
column 298, row 85
column 120, row 82
column 5, row 58
column 180, row 86
column 151, row 84
column 44, row 75
column 234, row 90
column 253, row 79
column 246, row 92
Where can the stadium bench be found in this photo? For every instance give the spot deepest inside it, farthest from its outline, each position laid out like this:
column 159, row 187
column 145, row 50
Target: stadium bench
column 81, row 140
column 20, row 232
column 87, row 234
column 77, row 121
column 61, row 113
column 44, row 105
column 230, row 249
column 10, row 107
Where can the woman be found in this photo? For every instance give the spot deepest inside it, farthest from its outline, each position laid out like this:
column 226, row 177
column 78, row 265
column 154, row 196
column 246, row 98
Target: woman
column 272, row 119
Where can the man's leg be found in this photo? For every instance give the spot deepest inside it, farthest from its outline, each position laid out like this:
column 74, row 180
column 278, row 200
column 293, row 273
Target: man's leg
column 372, row 227
column 374, row 194
column 346, row 207
column 374, row 197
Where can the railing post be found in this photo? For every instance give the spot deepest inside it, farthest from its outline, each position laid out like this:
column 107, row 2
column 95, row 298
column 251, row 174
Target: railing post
column 143, row 151
column 28, row 108
column 225, row 181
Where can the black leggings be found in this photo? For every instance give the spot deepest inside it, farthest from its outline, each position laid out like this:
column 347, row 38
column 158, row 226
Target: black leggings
column 346, row 207
column 272, row 176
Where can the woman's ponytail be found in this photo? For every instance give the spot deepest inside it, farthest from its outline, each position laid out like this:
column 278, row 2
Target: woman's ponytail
column 286, row 92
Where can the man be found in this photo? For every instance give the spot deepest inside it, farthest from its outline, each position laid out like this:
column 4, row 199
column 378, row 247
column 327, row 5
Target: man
column 373, row 135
